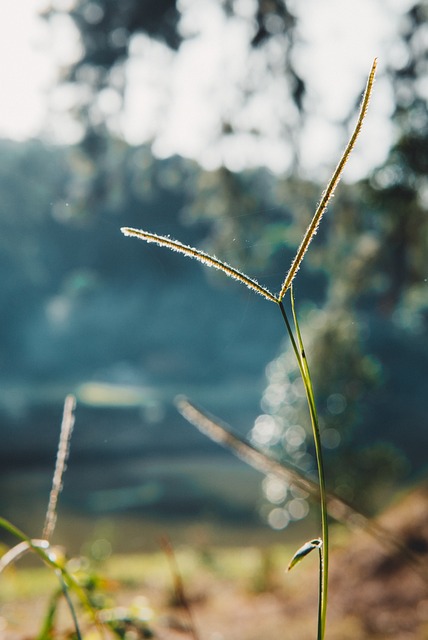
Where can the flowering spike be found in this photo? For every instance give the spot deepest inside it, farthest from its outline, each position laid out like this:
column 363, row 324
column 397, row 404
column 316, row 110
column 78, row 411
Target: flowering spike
column 205, row 258
column 328, row 193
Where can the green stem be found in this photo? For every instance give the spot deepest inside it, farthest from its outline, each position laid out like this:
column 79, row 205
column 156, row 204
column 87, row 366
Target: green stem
column 64, row 588
column 304, row 371
column 321, row 589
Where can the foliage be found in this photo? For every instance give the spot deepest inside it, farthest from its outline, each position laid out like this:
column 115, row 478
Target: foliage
column 106, row 30
column 398, row 189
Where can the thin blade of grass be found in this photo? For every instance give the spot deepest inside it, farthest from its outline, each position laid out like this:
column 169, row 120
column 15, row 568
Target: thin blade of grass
column 224, row 435
column 179, row 591
column 205, row 258
column 19, row 550
column 47, row 629
column 328, row 193
column 61, row 461
column 65, row 591
column 338, row 509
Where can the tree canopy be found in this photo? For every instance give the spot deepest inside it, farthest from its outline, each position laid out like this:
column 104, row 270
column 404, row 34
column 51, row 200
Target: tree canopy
column 107, row 31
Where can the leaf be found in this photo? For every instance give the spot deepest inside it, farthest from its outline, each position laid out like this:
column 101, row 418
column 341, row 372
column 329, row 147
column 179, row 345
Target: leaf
column 304, row 551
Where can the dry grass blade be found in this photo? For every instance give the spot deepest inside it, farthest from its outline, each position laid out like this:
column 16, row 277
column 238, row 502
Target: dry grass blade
column 205, row 258
column 243, row 449
column 61, row 460
column 337, row 508
column 328, row 193
column 19, row 550
column 179, row 591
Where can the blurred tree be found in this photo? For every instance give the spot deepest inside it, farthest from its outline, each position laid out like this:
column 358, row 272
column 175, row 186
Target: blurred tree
column 106, row 29
column 399, row 189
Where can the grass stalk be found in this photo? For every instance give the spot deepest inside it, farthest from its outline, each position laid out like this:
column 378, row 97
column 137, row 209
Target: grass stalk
column 66, row 593
column 61, row 461
column 329, row 191
column 302, row 362
column 201, row 256
column 324, row 550
column 179, row 591
column 47, row 630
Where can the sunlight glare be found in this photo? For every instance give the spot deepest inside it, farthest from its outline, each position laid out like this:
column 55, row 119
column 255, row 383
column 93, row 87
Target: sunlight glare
column 25, row 73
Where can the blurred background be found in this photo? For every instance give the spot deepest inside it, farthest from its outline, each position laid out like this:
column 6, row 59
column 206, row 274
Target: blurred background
column 217, row 122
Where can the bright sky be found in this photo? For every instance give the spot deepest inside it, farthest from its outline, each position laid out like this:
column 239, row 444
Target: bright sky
column 24, row 71
column 181, row 97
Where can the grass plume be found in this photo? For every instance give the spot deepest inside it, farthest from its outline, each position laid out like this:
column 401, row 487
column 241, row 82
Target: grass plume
column 212, row 261
column 329, row 191
column 61, row 460
column 205, row 258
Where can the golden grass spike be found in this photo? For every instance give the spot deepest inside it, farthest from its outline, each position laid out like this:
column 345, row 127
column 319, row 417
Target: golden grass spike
column 205, row 258
column 61, row 459
column 328, row 193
